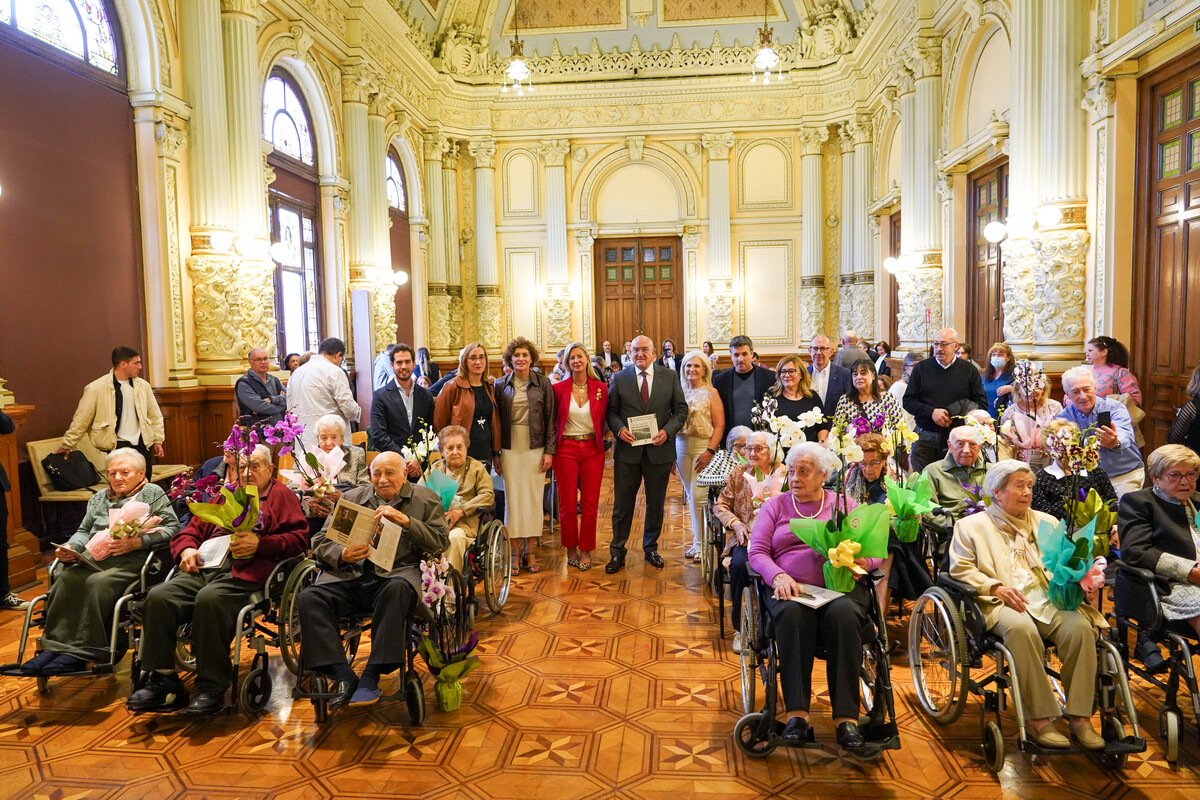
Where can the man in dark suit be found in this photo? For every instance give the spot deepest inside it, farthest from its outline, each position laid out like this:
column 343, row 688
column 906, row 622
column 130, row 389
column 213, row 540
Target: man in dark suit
column 743, row 386
column 611, row 359
column 399, row 409
column 829, row 380
column 644, row 388
column 8, row 599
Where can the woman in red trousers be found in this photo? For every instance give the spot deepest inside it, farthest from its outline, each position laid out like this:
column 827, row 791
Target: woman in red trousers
column 579, row 458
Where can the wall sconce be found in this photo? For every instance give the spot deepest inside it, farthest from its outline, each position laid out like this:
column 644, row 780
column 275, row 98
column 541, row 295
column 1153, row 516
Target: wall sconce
column 400, row 277
column 252, row 248
column 221, row 241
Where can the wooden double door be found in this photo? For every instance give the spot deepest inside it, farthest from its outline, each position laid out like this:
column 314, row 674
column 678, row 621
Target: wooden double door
column 639, row 290
column 985, row 286
column 1166, row 286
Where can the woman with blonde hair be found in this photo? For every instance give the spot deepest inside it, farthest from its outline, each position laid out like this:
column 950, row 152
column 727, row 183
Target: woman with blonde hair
column 580, row 406
column 699, row 437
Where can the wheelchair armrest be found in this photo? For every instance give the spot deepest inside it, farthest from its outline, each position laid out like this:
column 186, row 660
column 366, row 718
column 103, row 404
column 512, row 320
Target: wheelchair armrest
column 753, row 572
column 277, row 580
column 158, row 564
column 947, row 582
column 1137, row 574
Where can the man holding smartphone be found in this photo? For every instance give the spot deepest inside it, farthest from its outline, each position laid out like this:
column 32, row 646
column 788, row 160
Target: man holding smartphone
column 1110, row 421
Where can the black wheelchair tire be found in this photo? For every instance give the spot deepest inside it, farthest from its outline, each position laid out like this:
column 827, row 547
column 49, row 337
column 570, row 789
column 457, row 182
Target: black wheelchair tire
column 497, row 576
column 414, row 698
column 944, row 611
column 743, row 732
column 290, row 635
column 254, row 692
column 749, row 655
column 993, row 746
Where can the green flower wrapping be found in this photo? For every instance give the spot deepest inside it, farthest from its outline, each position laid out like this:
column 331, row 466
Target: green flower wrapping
column 1093, row 509
column 238, row 514
column 908, row 501
column 866, row 526
column 1068, row 558
column 449, row 670
column 443, row 486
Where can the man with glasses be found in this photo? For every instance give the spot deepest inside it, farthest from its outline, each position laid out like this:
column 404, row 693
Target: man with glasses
column 320, row 387
column 260, row 395
column 743, row 386
column 1110, row 421
column 941, row 390
column 829, row 381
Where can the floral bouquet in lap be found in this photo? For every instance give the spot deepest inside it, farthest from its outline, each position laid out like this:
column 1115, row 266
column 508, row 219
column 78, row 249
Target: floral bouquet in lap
column 130, row 520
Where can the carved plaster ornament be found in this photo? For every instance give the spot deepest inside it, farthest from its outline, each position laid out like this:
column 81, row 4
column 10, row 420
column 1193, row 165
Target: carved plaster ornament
column 303, row 40
column 635, row 145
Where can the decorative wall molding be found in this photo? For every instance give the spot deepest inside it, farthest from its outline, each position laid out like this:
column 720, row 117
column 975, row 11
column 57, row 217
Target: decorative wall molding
column 1059, row 284
column 783, row 145
column 215, row 307
column 558, row 320
column 589, row 186
column 786, row 290
column 520, row 158
column 718, row 145
column 1020, row 261
column 256, row 301
column 920, row 291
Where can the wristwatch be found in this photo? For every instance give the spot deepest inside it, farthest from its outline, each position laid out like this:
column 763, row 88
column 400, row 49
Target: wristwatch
column 710, row 451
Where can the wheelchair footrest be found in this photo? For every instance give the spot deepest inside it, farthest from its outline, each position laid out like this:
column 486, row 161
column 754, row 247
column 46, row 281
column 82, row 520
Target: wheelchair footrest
column 1130, row 744
column 1034, row 749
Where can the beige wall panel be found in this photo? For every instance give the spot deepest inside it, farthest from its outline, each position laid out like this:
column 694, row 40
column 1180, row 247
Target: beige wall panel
column 767, row 311
column 520, row 185
column 764, row 175
column 991, row 84
column 522, row 285
column 637, row 193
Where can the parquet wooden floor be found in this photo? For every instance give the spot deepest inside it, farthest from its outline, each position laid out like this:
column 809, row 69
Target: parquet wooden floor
column 592, row 686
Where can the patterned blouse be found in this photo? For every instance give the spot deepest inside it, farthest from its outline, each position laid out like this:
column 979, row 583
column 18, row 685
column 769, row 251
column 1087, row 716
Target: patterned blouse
column 1111, row 379
column 848, row 410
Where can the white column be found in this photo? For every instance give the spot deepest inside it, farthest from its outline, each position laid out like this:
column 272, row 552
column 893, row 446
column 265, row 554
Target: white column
column 864, row 252
column 812, row 240
column 383, row 290
column 438, row 319
column 452, row 243
column 214, row 278
column 1098, row 100
column 553, row 152
column 1061, row 241
column 488, row 300
column 906, row 92
column 720, row 247
column 355, row 92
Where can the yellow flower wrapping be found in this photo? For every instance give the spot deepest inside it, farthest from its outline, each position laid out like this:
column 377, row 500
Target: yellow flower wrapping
column 843, row 556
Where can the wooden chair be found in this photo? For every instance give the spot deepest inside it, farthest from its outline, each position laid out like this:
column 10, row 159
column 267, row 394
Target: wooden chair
column 359, row 438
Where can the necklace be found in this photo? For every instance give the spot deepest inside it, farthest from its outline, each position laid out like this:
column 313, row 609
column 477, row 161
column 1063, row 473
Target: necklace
column 803, row 516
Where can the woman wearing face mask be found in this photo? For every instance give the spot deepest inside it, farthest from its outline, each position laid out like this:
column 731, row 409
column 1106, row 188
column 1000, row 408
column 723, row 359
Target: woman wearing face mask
column 998, row 378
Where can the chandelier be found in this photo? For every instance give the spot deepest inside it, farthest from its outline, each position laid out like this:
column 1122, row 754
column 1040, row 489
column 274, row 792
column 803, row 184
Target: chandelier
column 516, row 74
column 766, row 58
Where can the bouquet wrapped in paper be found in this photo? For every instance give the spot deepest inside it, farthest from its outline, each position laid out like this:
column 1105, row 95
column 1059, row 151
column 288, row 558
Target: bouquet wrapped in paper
column 448, row 664
column 863, row 533
column 321, row 475
column 130, row 520
column 1068, row 558
column 908, row 500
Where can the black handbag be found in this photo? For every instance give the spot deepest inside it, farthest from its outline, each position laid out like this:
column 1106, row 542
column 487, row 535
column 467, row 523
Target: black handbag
column 71, row 472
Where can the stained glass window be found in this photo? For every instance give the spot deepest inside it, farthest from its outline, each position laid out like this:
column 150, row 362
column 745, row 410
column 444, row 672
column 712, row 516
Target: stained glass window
column 395, row 186
column 79, row 28
column 285, row 121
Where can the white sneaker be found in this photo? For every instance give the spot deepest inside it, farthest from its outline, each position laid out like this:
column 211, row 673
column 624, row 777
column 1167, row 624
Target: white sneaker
column 10, row 602
column 737, row 642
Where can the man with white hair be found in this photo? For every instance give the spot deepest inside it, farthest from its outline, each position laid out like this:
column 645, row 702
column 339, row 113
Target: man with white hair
column 940, row 389
column 1109, row 420
column 850, row 352
column 260, row 394
column 963, row 466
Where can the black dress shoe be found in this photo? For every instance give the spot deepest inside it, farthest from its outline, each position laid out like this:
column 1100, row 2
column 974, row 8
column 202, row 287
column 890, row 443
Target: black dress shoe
column 206, row 704
column 795, row 733
column 614, row 565
column 654, row 559
column 342, row 692
column 849, row 736
column 159, row 693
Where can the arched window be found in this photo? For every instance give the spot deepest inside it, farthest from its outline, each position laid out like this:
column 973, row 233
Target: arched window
column 395, row 185
column 294, row 201
column 78, row 28
column 285, row 120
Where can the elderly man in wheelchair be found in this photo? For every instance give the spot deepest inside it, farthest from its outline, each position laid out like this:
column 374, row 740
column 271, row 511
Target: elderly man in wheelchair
column 995, row 555
column 211, row 596
column 350, row 584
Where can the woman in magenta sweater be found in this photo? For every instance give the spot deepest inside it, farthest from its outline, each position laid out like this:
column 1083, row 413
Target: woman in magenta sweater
column 785, row 562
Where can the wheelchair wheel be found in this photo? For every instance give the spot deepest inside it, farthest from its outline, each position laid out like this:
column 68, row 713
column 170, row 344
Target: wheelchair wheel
column 1168, row 724
column 254, row 692
column 867, row 677
column 993, row 746
column 305, row 574
column 1113, row 730
column 937, row 655
column 414, row 697
column 706, row 550
column 750, row 644
column 185, row 660
column 497, row 576
column 745, row 736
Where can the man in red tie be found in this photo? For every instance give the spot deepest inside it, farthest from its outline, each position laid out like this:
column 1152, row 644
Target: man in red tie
column 640, row 389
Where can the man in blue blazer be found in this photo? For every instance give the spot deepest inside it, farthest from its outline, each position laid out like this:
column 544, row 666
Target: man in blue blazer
column 642, row 388
column 829, row 380
column 399, row 409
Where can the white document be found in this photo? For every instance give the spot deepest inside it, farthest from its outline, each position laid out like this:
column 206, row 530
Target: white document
column 644, row 428
column 815, row 596
column 213, row 552
column 383, row 547
column 353, row 524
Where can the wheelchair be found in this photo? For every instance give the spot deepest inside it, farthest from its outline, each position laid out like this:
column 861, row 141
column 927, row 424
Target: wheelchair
column 124, row 635
column 1137, row 608
column 487, row 562
column 947, row 639
column 318, row 688
column 258, row 626
column 758, row 733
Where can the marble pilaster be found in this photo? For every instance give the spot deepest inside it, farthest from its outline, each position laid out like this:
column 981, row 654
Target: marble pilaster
column 812, row 241
column 720, row 248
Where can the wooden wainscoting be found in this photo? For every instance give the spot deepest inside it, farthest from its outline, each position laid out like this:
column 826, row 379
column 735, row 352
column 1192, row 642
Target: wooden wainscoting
column 196, row 420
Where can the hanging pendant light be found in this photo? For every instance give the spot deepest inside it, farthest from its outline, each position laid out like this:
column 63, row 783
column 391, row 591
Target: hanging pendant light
column 766, row 58
column 516, row 74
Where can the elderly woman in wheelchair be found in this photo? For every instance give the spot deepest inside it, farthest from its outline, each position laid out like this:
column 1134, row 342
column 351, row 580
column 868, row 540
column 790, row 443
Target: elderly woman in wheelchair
column 995, row 555
column 350, row 584
column 473, row 497
column 88, row 581
column 212, row 595
column 784, row 562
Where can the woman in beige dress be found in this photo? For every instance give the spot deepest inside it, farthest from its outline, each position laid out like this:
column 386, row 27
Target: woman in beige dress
column 699, row 438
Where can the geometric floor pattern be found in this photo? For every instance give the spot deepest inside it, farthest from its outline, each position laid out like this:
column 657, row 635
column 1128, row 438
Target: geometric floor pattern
column 592, row 686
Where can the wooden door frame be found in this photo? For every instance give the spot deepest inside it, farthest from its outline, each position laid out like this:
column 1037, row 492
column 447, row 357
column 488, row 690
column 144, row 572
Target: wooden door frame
column 973, row 176
column 676, row 241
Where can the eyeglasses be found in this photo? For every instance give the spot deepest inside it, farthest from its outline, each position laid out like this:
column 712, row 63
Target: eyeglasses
column 476, row 358
column 819, row 349
column 1177, row 477
column 789, row 371
column 872, row 463
column 945, row 344
column 757, row 448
